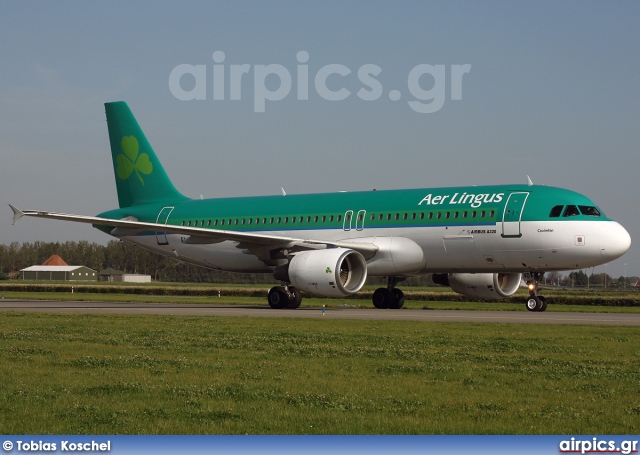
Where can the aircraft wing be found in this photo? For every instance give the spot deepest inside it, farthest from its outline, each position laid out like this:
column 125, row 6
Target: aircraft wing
column 195, row 235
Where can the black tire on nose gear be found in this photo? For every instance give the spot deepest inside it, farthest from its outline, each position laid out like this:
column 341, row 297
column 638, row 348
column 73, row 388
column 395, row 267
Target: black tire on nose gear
column 533, row 303
column 543, row 303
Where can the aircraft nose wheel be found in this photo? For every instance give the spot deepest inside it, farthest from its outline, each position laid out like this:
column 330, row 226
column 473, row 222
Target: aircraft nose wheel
column 535, row 302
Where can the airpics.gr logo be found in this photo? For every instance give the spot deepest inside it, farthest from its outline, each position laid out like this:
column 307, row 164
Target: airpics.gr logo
column 130, row 161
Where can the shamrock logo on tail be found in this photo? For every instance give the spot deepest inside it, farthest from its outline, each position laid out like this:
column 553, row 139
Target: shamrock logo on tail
column 130, row 161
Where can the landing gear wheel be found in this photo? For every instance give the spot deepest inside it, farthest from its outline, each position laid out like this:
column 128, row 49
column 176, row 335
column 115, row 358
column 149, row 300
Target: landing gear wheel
column 381, row 298
column 295, row 298
column 278, row 297
column 535, row 302
column 543, row 303
column 398, row 299
column 532, row 303
column 388, row 298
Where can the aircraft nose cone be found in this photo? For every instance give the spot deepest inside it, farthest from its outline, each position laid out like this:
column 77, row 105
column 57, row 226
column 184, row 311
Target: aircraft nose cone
column 614, row 241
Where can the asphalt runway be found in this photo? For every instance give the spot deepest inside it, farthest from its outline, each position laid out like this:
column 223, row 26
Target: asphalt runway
column 505, row 317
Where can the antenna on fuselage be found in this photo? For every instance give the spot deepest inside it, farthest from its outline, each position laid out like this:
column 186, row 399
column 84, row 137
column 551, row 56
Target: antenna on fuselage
column 529, row 182
column 284, row 193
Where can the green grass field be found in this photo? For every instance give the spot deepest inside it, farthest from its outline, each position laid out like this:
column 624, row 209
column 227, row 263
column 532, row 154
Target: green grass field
column 96, row 374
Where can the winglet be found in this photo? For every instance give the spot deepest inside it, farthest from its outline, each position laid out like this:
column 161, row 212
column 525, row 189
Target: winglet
column 17, row 213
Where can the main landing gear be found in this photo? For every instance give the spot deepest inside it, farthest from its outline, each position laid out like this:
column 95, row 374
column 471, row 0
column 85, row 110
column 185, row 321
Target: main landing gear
column 535, row 302
column 284, row 297
column 389, row 297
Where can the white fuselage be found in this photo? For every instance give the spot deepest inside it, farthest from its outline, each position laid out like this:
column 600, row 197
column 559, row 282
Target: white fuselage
column 542, row 246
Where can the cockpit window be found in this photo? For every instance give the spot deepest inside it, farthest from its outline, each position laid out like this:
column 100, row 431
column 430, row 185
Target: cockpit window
column 571, row 210
column 589, row 210
column 556, row 211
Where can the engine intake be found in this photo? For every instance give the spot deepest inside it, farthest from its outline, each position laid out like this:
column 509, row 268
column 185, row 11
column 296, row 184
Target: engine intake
column 334, row 272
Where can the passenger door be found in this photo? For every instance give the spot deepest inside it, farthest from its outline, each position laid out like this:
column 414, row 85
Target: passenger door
column 163, row 218
column 512, row 215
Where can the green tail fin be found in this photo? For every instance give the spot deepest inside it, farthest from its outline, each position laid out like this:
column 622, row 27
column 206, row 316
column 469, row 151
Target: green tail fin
column 140, row 177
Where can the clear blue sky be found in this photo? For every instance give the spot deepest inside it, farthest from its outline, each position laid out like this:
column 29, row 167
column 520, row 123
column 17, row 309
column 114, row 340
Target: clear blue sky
column 553, row 93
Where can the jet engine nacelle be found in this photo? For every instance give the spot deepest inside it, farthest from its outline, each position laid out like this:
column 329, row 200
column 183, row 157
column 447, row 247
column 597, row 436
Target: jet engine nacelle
column 334, row 272
column 481, row 285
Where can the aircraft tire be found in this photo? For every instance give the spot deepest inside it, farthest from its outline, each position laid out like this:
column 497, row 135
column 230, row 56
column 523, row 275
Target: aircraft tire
column 533, row 303
column 295, row 298
column 278, row 297
column 381, row 298
column 397, row 300
column 543, row 303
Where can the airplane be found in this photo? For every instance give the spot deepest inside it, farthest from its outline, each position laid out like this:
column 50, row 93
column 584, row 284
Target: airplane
column 479, row 240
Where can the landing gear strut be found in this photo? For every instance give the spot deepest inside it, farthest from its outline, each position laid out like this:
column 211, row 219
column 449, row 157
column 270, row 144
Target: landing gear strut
column 389, row 297
column 284, row 297
column 535, row 302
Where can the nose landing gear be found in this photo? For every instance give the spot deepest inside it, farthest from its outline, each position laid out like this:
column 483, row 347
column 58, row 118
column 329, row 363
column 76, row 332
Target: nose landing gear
column 535, row 302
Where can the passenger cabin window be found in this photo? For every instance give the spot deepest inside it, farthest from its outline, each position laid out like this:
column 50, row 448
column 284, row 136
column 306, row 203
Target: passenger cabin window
column 571, row 210
column 589, row 210
column 556, row 211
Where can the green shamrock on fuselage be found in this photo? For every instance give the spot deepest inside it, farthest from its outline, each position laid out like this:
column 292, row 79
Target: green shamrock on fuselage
column 129, row 161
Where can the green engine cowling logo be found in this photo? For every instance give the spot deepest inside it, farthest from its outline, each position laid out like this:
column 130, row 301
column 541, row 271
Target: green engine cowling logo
column 130, row 160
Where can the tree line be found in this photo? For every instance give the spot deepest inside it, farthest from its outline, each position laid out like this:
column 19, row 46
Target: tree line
column 118, row 255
